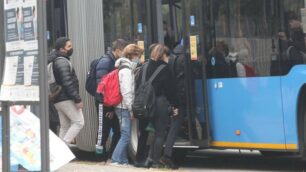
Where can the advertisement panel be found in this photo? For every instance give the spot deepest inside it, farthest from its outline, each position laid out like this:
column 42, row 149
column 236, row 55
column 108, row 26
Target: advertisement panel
column 20, row 80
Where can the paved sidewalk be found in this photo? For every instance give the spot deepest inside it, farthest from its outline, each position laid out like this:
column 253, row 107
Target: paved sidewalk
column 84, row 166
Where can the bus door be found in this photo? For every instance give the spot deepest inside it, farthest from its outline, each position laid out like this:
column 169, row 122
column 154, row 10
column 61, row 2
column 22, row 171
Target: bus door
column 244, row 92
column 196, row 82
column 176, row 23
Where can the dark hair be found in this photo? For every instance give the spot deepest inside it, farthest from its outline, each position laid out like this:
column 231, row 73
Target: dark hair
column 119, row 44
column 223, row 47
column 159, row 50
column 61, row 42
column 290, row 15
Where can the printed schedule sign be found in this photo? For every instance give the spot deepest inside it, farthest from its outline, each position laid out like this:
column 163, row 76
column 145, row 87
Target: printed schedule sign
column 20, row 81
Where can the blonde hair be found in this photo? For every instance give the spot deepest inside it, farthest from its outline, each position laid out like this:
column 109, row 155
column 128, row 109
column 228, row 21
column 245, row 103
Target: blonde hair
column 159, row 51
column 132, row 49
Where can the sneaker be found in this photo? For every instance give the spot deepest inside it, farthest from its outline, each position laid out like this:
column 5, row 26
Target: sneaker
column 115, row 164
column 150, row 128
column 168, row 163
column 125, row 165
column 157, row 165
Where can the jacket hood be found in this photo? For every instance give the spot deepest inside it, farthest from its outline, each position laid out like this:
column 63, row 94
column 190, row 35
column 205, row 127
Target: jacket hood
column 125, row 62
column 54, row 54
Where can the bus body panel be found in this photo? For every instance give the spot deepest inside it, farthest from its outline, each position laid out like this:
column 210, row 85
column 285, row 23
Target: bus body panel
column 291, row 87
column 251, row 106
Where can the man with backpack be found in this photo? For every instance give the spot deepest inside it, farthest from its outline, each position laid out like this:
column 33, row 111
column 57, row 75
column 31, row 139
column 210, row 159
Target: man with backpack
column 292, row 43
column 67, row 101
column 109, row 121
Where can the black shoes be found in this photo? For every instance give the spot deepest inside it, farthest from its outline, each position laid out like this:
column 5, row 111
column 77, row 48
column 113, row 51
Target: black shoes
column 143, row 164
column 164, row 162
column 168, row 163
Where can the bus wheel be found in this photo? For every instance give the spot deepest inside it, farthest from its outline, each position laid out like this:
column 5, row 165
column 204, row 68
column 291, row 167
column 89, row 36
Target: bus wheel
column 274, row 153
column 134, row 140
column 179, row 155
column 302, row 124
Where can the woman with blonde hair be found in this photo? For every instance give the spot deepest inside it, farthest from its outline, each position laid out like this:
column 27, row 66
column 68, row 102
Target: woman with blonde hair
column 126, row 64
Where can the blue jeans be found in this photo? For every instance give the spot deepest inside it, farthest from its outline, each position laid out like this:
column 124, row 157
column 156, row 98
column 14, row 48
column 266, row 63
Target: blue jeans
column 120, row 152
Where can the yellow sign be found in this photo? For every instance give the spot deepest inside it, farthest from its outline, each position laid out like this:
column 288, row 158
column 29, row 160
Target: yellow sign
column 193, row 48
column 141, row 44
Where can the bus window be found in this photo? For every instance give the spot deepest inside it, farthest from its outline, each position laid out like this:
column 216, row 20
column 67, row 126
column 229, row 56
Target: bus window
column 117, row 21
column 172, row 23
column 250, row 32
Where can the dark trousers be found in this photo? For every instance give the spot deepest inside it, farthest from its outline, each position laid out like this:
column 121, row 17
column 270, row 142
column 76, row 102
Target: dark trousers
column 176, row 122
column 142, row 148
column 109, row 124
column 160, row 123
column 54, row 127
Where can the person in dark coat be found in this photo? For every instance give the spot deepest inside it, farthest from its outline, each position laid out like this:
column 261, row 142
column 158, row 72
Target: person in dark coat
column 68, row 103
column 292, row 43
column 166, row 102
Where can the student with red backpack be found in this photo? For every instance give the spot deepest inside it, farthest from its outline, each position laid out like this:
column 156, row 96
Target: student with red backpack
column 107, row 119
column 125, row 75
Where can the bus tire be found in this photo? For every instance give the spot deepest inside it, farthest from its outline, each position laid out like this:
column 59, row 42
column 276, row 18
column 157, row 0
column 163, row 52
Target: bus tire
column 275, row 153
column 134, row 141
column 179, row 155
column 301, row 122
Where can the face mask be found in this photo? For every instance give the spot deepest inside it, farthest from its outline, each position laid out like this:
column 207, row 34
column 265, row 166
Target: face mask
column 136, row 60
column 70, row 52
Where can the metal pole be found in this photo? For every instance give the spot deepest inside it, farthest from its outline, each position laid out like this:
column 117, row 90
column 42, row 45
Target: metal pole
column 43, row 104
column 5, row 107
column 159, row 16
column 2, row 49
column 6, row 138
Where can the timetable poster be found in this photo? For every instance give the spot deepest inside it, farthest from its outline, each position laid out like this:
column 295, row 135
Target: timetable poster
column 20, row 81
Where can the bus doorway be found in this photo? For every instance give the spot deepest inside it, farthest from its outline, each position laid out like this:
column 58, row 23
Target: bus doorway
column 177, row 24
column 182, row 31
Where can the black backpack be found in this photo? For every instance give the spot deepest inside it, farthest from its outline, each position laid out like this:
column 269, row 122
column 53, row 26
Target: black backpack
column 91, row 85
column 144, row 101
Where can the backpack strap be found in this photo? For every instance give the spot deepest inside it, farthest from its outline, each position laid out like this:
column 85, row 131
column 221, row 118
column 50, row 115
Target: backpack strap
column 144, row 73
column 156, row 72
column 64, row 59
column 172, row 63
column 123, row 67
column 288, row 51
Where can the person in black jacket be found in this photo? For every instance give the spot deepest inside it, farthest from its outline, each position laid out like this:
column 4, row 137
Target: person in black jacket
column 68, row 103
column 166, row 101
column 110, row 121
column 292, row 43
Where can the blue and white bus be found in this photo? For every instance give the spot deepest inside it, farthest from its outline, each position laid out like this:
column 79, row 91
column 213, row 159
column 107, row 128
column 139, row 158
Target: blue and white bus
column 260, row 106
column 265, row 111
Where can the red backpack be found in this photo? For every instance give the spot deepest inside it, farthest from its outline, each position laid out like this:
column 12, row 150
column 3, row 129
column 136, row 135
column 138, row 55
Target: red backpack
column 249, row 70
column 110, row 88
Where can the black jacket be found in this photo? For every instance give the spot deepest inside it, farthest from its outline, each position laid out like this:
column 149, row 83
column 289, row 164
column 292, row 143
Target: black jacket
column 164, row 83
column 105, row 65
column 65, row 77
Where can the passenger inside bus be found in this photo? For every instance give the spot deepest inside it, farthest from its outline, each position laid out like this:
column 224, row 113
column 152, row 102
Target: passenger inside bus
column 292, row 43
column 217, row 65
